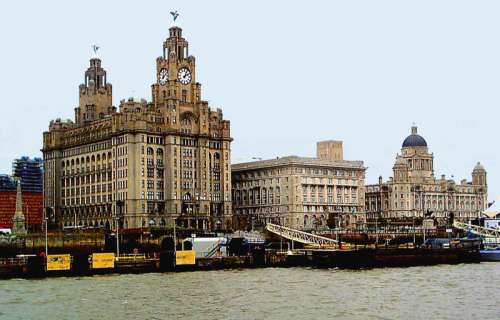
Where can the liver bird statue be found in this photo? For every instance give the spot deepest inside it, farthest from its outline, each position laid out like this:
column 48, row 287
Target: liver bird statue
column 174, row 14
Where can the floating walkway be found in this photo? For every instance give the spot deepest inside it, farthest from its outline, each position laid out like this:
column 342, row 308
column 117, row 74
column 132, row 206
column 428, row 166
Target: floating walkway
column 302, row 237
column 480, row 231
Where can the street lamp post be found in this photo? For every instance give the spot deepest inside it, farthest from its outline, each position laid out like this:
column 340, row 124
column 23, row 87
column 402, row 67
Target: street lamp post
column 413, row 224
column 45, row 220
column 175, row 243
column 119, row 206
column 281, row 238
column 423, row 231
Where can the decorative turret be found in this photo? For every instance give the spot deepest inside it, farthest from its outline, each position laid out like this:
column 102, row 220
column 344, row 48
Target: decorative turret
column 479, row 175
column 95, row 93
column 175, row 43
column 400, row 170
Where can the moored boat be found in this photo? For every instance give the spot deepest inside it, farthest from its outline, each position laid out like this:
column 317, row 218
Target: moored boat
column 490, row 254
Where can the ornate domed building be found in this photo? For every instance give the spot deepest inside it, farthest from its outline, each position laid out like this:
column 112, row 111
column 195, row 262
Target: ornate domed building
column 414, row 192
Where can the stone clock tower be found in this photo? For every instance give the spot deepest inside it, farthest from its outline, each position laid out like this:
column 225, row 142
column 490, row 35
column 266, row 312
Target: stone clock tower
column 199, row 154
column 154, row 163
column 176, row 72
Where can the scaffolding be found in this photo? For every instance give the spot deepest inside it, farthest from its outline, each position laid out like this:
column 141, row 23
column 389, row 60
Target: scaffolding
column 30, row 171
column 7, row 183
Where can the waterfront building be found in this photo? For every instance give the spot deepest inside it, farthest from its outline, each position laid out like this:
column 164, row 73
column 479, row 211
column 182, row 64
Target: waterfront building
column 299, row 192
column 152, row 162
column 414, row 191
column 25, row 196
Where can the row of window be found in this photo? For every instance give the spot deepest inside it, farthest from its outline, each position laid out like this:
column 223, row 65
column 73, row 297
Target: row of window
column 89, row 160
column 436, row 205
column 87, row 200
column 89, row 148
column 86, row 190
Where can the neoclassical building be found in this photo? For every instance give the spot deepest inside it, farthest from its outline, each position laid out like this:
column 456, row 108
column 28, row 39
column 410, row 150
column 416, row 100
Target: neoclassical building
column 154, row 162
column 299, row 192
column 414, row 191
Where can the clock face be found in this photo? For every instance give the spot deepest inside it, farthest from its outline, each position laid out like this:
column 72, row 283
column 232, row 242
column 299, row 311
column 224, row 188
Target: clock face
column 184, row 75
column 163, row 77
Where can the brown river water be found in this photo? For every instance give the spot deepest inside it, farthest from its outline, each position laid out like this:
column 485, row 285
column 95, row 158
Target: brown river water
column 466, row 291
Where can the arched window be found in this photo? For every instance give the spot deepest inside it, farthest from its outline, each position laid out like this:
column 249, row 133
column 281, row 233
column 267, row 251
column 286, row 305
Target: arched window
column 237, row 197
column 159, row 152
column 150, row 151
column 244, row 197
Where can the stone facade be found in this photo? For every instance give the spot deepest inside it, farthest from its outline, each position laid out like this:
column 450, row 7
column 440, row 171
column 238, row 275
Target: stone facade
column 153, row 161
column 414, row 192
column 298, row 192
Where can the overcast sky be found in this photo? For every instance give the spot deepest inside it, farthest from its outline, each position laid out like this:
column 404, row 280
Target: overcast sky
column 286, row 74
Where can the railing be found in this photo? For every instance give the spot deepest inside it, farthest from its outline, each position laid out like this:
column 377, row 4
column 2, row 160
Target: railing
column 213, row 250
column 131, row 257
column 481, row 231
column 250, row 235
column 11, row 262
column 301, row 236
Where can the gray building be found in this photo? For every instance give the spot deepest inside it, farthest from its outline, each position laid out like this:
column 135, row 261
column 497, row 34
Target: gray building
column 299, row 192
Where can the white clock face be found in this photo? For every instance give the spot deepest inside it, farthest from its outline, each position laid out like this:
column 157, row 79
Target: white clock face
column 163, row 76
column 184, row 75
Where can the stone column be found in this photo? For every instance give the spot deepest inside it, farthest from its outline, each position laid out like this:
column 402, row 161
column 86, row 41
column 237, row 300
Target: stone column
column 18, row 226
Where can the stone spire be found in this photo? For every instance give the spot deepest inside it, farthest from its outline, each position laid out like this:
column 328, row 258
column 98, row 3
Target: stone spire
column 18, row 226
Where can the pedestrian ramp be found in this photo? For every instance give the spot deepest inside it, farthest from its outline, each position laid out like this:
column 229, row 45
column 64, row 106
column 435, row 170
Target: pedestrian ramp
column 480, row 231
column 301, row 236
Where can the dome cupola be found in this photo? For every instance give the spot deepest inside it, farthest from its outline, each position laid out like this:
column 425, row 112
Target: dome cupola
column 414, row 139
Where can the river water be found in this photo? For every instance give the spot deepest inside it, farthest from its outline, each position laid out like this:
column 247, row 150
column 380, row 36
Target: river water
column 467, row 291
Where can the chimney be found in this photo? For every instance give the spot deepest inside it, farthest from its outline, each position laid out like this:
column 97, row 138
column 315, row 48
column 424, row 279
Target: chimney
column 329, row 150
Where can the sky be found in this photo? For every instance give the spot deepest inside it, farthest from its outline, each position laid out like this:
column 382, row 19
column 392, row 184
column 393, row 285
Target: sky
column 285, row 73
